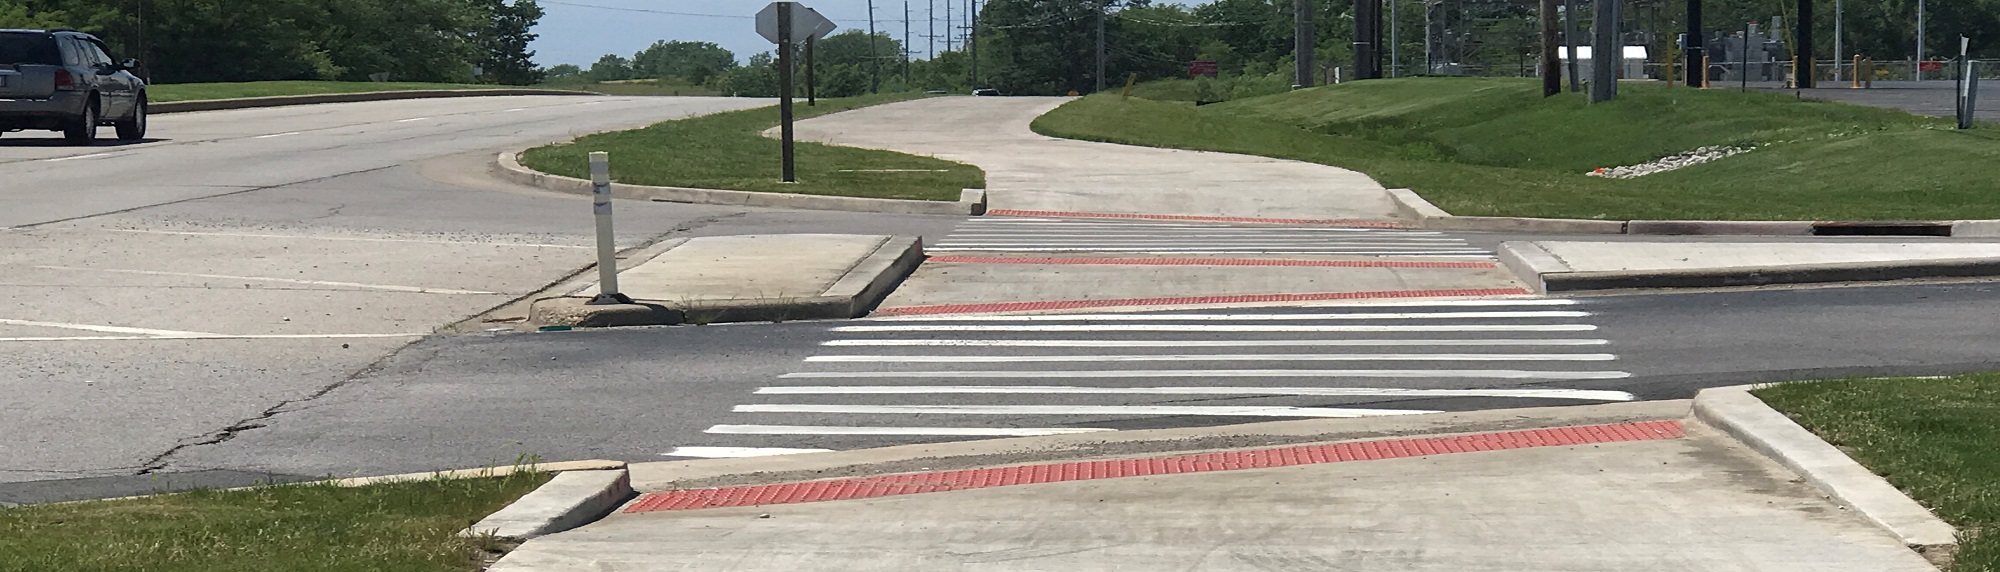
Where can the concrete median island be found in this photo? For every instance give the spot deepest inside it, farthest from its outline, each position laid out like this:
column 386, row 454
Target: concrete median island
column 743, row 279
column 709, row 158
column 1570, row 266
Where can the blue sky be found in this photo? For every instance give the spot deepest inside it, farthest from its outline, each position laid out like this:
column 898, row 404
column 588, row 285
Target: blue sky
column 574, row 34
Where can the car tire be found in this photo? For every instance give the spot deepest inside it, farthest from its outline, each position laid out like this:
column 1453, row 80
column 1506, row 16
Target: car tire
column 83, row 131
column 134, row 128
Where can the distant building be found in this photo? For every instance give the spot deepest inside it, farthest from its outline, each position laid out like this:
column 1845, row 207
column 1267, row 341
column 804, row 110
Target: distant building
column 1633, row 66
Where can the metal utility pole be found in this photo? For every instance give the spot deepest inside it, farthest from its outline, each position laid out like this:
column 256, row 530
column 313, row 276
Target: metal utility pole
column 973, row 39
column 947, row 25
column 1368, row 39
column 1605, row 53
column 812, row 82
column 1102, row 7
column 1802, row 73
column 874, row 57
column 1302, row 42
column 1552, row 81
column 1920, row 40
column 1697, row 46
column 930, row 53
column 1569, row 43
column 906, row 44
column 1838, row 31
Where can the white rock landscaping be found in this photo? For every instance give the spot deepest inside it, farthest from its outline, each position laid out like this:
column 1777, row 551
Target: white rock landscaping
column 1671, row 162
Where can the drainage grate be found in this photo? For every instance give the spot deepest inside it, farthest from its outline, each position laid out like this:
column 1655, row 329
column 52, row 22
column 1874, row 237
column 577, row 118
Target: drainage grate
column 1882, row 229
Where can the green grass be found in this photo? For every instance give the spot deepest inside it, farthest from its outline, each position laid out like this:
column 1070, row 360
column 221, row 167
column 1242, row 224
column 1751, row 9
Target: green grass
column 205, row 91
column 727, row 151
column 1936, row 439
column 1495, row 147
column 665, row 86
column 398, row 527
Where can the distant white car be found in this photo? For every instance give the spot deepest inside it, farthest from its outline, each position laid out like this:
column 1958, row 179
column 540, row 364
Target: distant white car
column 986, row 91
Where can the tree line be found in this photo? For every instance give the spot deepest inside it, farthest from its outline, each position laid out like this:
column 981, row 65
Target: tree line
column 189, row 41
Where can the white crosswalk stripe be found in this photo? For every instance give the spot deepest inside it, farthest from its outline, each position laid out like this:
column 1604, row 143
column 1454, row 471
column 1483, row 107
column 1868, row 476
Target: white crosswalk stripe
column 925, row 379
column 1053, row 236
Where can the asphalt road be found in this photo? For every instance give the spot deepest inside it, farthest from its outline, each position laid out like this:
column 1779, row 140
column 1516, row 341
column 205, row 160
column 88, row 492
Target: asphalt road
column 152, row 296
column 639, row 394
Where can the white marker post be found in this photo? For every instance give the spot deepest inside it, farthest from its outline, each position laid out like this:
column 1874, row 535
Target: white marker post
column 607, row 245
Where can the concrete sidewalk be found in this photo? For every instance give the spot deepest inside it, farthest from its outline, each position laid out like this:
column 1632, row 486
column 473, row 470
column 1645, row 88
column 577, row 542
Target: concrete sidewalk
column 1030, row 172
column 1646, row 492
column 1553, row 266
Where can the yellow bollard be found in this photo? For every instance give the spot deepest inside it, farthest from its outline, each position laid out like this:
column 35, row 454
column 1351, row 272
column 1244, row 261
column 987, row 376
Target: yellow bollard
column 1132, row 79
column 1857, row 74
column 1704, row 71
column 1797, row 80
column 1670, row 66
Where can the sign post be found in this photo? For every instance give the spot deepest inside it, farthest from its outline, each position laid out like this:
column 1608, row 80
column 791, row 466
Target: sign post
column 783, row 24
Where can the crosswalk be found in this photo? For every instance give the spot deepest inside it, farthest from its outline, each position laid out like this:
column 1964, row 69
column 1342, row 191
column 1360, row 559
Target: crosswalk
column 1066, row 235
column 915, row 379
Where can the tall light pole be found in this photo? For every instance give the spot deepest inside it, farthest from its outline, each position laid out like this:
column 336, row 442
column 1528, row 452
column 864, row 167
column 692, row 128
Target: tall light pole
column 1697, row 46
column 874, row 57
column 1838, row 31
column 1102, row 7
column 1395, row 43
column 1302, row 42
column 1920, row 40
column 1605, row 53
column 1551, row 63
column 1803, row 34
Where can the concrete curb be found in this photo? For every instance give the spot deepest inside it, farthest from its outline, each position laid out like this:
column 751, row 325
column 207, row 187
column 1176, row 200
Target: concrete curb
column 677, row 475
column 315, row 99
column 1545, row 273
column 1743, row 416
column 570, row 500
column 972, row 202
column 850, row 296
column 1429, row 216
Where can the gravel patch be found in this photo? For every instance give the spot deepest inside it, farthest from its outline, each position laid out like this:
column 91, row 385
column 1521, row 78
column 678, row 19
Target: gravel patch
column 1669, row 163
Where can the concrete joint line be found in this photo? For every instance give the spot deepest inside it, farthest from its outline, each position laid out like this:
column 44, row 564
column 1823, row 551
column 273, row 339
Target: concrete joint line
column 1749, row 420
column 288, row 100
column 508, row 166
column 1429, row 216
column 568, row 501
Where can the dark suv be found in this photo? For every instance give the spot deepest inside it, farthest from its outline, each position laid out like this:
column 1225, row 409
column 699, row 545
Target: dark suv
column 66, row 81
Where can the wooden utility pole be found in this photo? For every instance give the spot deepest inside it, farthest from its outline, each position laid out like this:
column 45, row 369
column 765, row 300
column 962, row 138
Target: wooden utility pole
column 1102, row 7
column 1697, row 47
column 1803, row 35
column 1551, row 59
column 1605, row 53
column 1368, row 39
column 874, row 57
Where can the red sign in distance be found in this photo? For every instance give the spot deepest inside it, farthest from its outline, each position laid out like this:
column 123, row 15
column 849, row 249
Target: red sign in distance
column 1204, row 68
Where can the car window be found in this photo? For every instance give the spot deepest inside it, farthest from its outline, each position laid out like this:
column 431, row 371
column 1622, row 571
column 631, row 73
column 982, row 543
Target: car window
column 88, row 54
column 29, row 49
column 100, row 51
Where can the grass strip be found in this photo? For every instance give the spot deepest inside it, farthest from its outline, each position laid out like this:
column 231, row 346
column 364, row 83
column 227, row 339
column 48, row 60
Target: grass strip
column 206, row 91
column 728, row 151
column 1933, row 438
column 1496, row 147
column 396, row 527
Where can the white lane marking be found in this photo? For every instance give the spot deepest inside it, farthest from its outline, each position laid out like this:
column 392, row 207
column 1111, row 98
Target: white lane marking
column 1199, row 410
column 735, row 452
column 197, row 336
column 1579, row 394
column 413, row 119
column 1220, row 328
column 381, row 287
column 345, row 238
column 276, row 135
column 1250, row 317
column 104, row 329
column 1202, row 343
column 79, row 157
column 1210, row 357
column 919, row 431
column 514, row 110
column 1143, row 373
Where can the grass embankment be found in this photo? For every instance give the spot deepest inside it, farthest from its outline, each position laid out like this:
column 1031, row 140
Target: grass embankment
column 1933, row 438
column 397, row 527
column 664, row 86
column 206, row 91
column 728, row 151
column 1496, row 147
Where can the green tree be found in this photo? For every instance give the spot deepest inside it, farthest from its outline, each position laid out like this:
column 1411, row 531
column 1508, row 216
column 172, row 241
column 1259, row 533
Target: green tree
column 757, row 79
column 19, row 14
column 563, row 73
column 610, row 68
column 504, row 41
column 695, row 62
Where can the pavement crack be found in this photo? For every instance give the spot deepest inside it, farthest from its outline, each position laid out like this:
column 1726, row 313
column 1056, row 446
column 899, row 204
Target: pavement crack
column 160, row 462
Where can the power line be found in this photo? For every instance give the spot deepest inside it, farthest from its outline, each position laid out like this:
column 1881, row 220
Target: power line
column 646, row 11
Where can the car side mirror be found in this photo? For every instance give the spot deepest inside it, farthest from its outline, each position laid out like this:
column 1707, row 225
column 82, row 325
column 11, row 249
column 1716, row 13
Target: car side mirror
column 129, row 64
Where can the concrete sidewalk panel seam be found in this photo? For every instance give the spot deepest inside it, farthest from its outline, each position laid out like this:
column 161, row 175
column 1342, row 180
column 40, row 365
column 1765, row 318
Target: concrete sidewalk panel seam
column 1744, row 417
column 1531, row 262
column 569, row 500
